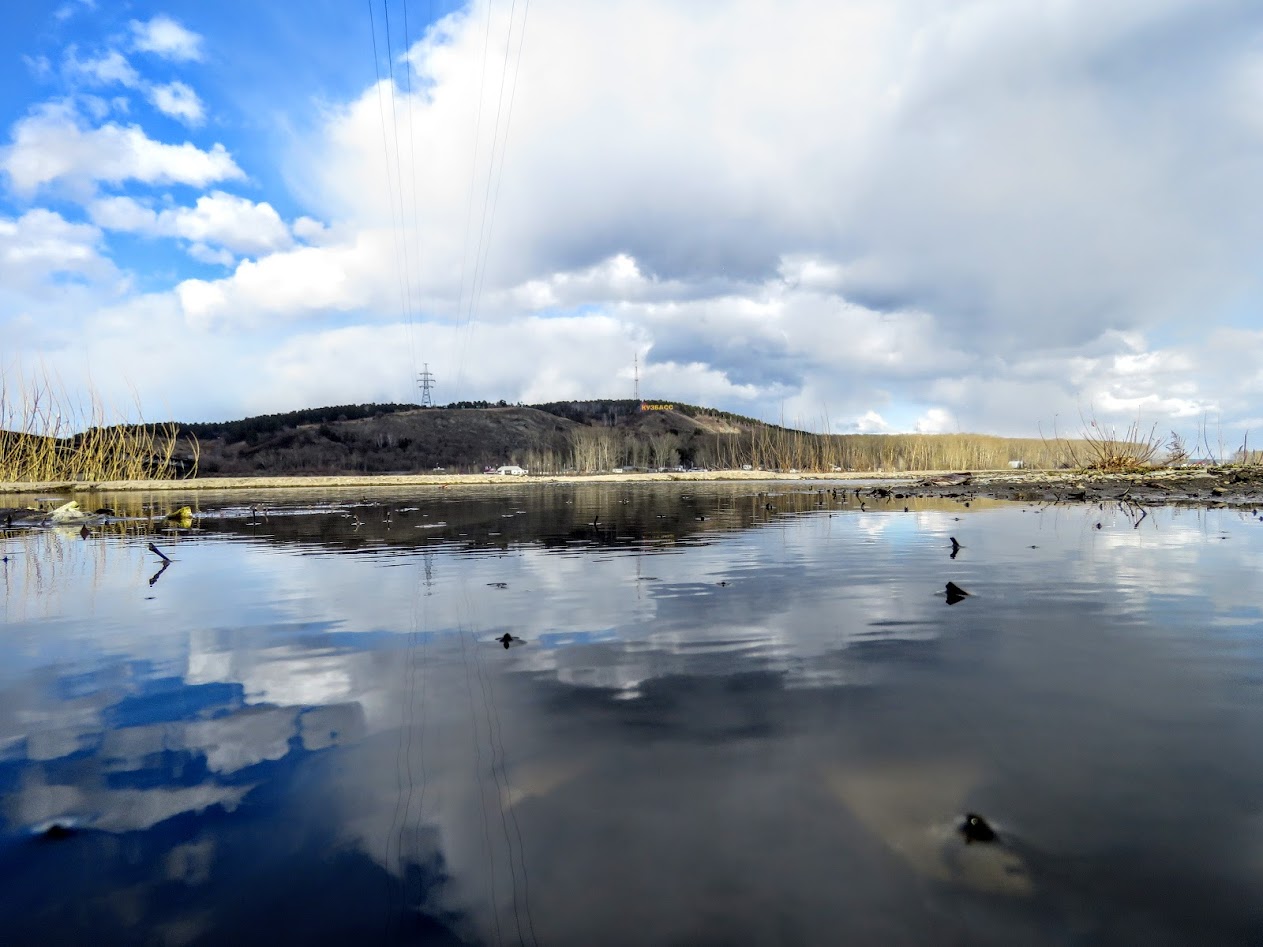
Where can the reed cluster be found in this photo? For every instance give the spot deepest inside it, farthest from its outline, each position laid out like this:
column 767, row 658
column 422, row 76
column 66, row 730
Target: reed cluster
column 785, row 449
column 773, row 448
column 1103, row 448
column 47, row 436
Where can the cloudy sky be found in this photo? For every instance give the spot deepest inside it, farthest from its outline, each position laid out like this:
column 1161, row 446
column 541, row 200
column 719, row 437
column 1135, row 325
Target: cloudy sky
column 873, row 214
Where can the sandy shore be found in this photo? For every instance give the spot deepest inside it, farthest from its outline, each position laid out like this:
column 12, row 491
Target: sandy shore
column 1202, row 485
column 413, row 480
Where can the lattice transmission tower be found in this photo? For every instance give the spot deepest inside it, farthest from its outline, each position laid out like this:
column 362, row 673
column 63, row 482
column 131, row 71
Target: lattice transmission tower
column 426, row 380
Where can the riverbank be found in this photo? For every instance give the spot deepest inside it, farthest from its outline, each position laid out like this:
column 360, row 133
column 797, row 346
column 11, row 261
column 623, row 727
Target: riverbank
column 1224, row 485
column 1200, row 485
column 430, row 480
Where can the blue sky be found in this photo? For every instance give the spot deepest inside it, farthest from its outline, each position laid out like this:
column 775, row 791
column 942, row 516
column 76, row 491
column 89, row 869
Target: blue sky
column 899, row 215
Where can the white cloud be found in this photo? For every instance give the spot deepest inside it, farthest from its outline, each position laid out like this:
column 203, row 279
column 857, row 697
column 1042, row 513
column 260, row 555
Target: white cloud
column 109, row 68
column 67, row 10
column 179, row 101
column 898, row 155
column 812, row 273
column 310, row 230
column 41, row 244
column 218, row 219
column 935, row 421
column 870, row 423
column 99, row 108
column 616, row 278
column 297, row 282
column 528, row 358
column 211, row 255
column 50, row 145
column 165, row 37
column 38, row 66
column 871, row 210
column 175, row 99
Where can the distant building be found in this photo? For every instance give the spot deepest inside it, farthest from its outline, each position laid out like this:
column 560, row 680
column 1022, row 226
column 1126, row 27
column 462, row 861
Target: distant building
column 511, row 470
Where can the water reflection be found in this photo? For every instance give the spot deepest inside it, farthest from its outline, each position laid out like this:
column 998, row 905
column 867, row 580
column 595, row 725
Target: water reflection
column 631, row 715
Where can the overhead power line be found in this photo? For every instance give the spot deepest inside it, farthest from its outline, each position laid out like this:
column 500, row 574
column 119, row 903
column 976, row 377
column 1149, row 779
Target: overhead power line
column 495, row 172
column 405, row 301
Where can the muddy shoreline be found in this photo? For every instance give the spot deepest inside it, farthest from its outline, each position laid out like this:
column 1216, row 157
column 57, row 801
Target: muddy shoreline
column 1227, row 485
column 1200, row 486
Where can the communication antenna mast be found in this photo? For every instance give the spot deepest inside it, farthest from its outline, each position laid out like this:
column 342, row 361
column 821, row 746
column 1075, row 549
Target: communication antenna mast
column 637, row 389
column 426, row 380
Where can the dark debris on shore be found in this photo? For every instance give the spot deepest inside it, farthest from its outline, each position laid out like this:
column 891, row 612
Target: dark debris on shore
column 1204, row 486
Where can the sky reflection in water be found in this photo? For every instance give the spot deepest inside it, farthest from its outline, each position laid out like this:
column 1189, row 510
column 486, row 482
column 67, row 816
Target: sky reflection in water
column 734, row 718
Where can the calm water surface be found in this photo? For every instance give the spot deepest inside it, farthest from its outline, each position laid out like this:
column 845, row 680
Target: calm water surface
column 733, row 718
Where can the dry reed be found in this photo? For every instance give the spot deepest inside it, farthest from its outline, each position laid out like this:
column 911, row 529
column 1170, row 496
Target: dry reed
column 1103, row 448
column 47, row 436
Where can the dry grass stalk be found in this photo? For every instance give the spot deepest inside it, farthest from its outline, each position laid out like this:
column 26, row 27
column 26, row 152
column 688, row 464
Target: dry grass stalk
column 45, row 436
column 1102, row 448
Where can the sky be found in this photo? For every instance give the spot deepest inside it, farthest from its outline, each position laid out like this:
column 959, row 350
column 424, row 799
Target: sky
column 869, row 215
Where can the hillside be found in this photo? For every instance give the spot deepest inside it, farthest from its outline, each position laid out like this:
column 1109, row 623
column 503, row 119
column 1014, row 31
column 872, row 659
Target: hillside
column 578, row 436
column 394, row 439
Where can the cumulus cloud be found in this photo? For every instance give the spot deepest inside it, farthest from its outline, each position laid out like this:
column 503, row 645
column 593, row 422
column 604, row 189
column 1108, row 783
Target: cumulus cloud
column 175, row 99
column 299, row 282
column 164, row 37
column 869, row 423
column 976, row 216
column 310, row 230
column 52, row 145
column 178, row 101
column 218, row 219
column 211, row 256
column 41, row 244
column 935, row 421
column 618, row 278
column 965, row 174
column 530, row 358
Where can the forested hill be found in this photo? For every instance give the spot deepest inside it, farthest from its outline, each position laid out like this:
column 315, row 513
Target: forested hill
column 578, row 436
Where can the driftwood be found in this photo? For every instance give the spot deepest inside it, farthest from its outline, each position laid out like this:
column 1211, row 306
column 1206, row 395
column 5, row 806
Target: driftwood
column 947, row 480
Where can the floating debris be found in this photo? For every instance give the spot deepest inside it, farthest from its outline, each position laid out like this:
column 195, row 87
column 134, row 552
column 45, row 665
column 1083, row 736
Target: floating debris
column 159, row 553
column 57, row 832
column 902, row 806
column 955, row 593
column 182, row 517
column 956, row 546
column 509, row 640
column 949, row 480
column 976, row 829
column 67, row 513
